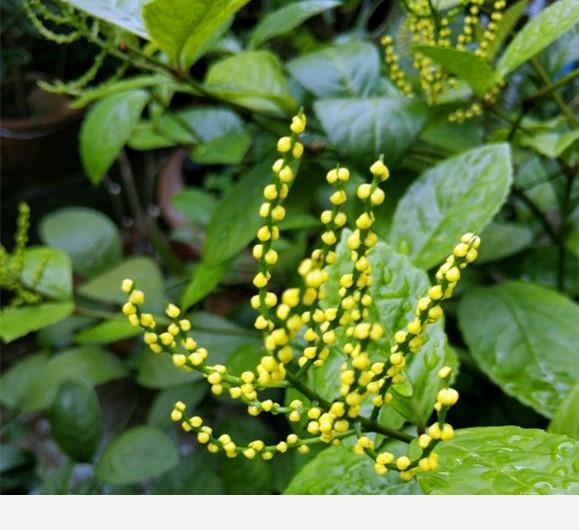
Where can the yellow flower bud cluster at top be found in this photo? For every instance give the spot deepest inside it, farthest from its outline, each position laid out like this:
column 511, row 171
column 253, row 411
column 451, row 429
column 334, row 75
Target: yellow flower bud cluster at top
column 430, row 28
column 300, row 328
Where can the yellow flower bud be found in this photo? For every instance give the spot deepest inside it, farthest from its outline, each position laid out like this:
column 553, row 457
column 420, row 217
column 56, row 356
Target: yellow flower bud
column 284, row 144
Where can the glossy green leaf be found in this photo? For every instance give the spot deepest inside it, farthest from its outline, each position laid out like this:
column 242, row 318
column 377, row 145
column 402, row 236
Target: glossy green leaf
column 366, row 128
column 107, row 128
column 182, row 27
column 107, row 332
column 461, row 194
column 465, row 65
column 544, row 28
column 123, row 13
column 191, row 394
column 502, row 240
column 76, row 420
column 228, row 149
column 195, row 475
column 550, row 144
column 254, row 80
column 338, row 471
column 15, row 322
column 236, row 219
column 505, row 26
column 524, row 337
column 137, row 454
column 205, row 280
column 218, row 335
column 504, row 460
column 15, row 381
column 287, row 18
column 89, row 237
column 350, row 69
column 47, row 271
column 90, row 364
column 144, row 271
column 566, row 418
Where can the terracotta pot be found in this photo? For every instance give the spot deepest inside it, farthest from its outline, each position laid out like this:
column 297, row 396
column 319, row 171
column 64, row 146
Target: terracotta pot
column 43, row 144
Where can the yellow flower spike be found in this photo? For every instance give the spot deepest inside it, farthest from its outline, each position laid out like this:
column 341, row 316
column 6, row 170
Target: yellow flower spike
column 447, row 396
column 284, row 144
column 298, row 150
column 129, row 309
column 444, row 372
column 127, row 285
column 173, row 311
column 402, row 463
column 179, row 360
column 137, row 297
column 379, row 169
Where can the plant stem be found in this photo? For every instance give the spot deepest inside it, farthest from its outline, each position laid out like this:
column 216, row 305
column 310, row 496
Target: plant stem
column 567, row 112
column 546, row 91
column 536, row 211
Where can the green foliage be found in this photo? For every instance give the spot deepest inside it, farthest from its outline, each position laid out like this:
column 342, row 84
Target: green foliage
column 566, row 417
column 466, row 190
column 16, row 322
column 534, row 357
column 137, row 454
column 505, row 461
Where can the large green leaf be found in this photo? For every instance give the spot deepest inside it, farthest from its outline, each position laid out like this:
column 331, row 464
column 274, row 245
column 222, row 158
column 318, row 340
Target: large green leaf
column 504, row 461
column 471, row 68
column 338, row 471
column 107, row 128
column 182, row 27
column 524, row 337
column 566, row 418
column 461, row 194
column 544, row 28
column 366, row 128
column 196, row 205
column 107, row 332
column 204, row 280
column 219, row 336
column 89, row 237
column 137, row 454
column 89, row 364
column 254, row 80
column 351, row 69
column 286, row 18
column 123, row 13
column 55, row 282
column 15, row 322
column 236, row 218
column 550, row 144
column 76, row 420
column 15, row 382
column 144, row 271
column 503, row 239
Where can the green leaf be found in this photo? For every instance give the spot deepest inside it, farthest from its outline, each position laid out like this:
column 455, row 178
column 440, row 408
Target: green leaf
column 544, row 28
column 550, row 144
column 566, row 418
column 160, row 412
column 350, row 69
column 182, row 27
column 195, row 475
column 338, row 471
column 55, row 280
column 287, row 18
column 366, row 128
column 15, row 382
column 461, row 194
column 504, row 460
column 471, row 68
column 144, row 271
column 524, row 337
column 135, row 455
column 505, row 26
column 107, row 332
column 15, row 322
column 195, row 204
column 107, row 128
column 123, row 13
column 205, row 279
column 254, row 80
column 236, row 219
column 228, row 149
column 92, row 365
column 89, row 237
column 76, row 420
column 218, row 335
column 503, row 239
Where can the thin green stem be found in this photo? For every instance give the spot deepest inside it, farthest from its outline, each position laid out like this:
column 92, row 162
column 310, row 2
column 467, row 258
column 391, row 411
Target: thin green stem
column 548, row 90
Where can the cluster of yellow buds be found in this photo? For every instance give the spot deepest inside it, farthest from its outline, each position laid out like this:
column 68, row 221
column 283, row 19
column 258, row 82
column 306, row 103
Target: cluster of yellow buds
column 301, row 325
column 428, row 27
